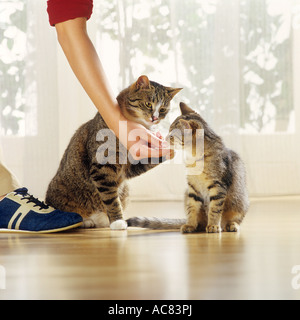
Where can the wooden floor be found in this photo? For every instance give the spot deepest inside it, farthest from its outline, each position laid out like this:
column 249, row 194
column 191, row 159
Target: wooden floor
column 137, row 264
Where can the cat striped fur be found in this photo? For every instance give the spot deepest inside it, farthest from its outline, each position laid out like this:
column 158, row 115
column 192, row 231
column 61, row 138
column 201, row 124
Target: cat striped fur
column 156, row 223
column 216, row 199
column 91, row 180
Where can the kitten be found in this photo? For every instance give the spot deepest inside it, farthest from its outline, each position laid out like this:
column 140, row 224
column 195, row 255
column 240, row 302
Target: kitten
column 216, row 199
column 91, row 179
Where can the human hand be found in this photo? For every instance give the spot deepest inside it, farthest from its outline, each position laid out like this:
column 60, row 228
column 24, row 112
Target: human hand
column 159, row 135
column 142, row 143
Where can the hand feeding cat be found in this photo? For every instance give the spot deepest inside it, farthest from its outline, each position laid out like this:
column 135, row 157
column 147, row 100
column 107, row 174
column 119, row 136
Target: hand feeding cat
column 91, row 183
column 216, row 199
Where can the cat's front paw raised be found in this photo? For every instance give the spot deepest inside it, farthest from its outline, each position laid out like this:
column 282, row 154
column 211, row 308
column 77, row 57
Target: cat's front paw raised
column 119, row 225
column 188, row 229
column 213, row 229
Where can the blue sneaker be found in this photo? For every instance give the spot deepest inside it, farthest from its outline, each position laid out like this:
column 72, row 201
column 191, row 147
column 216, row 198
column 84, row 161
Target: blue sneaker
column 21, row 212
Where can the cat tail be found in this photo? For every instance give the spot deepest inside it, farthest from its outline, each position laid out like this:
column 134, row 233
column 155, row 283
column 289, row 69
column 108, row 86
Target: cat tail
column 156, row 223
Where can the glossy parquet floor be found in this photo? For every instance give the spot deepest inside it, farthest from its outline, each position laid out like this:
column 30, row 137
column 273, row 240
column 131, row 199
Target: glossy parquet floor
column 257, row 263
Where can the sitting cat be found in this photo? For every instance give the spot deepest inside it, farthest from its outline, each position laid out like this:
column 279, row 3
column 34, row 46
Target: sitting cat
column 216, row 199
column 91, row 180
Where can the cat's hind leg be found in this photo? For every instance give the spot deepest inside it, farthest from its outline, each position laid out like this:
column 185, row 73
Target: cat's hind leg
column 96, row 220
column 231, row 221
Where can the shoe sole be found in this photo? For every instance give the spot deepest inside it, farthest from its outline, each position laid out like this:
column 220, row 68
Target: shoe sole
column 42, row 232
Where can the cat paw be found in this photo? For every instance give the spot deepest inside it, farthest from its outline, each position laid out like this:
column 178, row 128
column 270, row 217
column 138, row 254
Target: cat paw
column 213, row 229
column 188, row 229
column 119, row 225
column 88, row 224
column 232, row 227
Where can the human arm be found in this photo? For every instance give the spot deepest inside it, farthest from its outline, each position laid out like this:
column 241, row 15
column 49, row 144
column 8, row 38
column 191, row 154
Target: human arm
column 86, row 65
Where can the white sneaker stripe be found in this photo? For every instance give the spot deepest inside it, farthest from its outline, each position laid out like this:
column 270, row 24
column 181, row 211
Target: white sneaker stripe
column 11, row 221
column 23, row 211
column 24, row 214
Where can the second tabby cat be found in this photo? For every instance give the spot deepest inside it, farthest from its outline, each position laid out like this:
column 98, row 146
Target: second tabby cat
column 91, row 180
column 216, row 199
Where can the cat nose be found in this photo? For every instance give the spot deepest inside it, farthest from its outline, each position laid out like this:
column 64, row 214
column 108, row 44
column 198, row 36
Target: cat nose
column 154, row 118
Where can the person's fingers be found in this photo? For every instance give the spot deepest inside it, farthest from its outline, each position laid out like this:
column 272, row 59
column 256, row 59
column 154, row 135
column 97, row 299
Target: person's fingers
column 141, row 151
column 159, row 135
column 146, row 152
column 171, row 154
column 148, row 137
column 156, row 141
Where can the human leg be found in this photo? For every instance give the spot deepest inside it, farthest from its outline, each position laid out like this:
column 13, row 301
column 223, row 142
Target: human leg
column 21, row 212
column 8, row 181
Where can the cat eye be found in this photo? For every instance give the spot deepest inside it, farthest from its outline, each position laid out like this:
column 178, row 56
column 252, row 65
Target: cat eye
column 149, row 105
column 163, row 110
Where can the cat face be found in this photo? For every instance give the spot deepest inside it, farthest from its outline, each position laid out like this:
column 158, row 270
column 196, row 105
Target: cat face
column 187, row 130
column 189, row 120
column 146, row 102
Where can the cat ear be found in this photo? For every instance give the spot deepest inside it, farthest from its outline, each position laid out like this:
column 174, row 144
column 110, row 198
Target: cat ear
column 143, row 83
column 172, row 91
column 185, row 109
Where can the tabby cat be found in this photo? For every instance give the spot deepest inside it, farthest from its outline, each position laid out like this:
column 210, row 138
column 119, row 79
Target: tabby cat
column 216, row 199
column 93, row 185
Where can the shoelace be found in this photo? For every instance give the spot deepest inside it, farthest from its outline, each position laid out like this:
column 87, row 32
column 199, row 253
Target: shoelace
column 26, row 196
